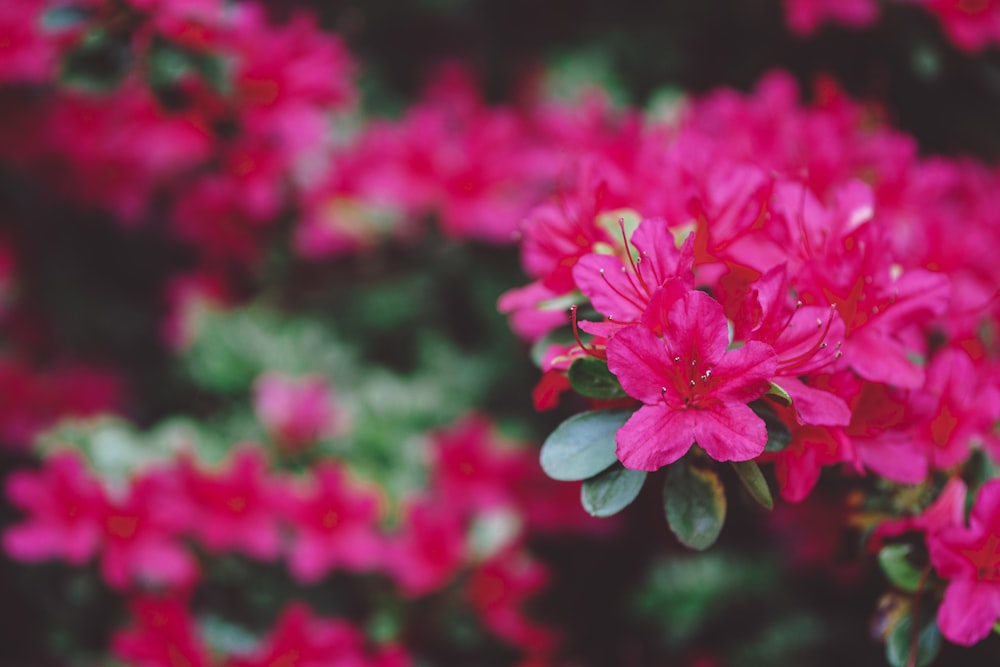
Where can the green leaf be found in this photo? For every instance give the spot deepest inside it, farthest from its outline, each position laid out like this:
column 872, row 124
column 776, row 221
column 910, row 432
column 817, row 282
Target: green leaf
column 897, row 567
column 749, row 473
column 590, row 377
column 780, row 394
column 778, row 435
column 611, row 491
column 583, row 445
column 695, row 503
column 899, row 644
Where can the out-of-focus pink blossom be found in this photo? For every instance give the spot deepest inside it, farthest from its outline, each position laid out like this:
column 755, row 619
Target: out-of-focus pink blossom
column 804, row 17
column 163, row 633
column 297, row 412
column 237, row 507
column 141, row 534
column 969, row 557
column 334, row 523
column 35, row 399
column 499, row 588
column 430, row 548
column 62, row 502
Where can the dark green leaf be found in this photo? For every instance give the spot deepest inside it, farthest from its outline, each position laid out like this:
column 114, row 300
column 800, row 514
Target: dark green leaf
column 583, row 445
column 611, row 491
column 897, row 567
column 749, row 473
column 778, row 435
column 590, row 377
column 899, row 644
column 695, row 503
column 98, row 62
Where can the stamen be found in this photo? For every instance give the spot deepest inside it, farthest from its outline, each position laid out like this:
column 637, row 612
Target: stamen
column 631, row 261
column 815, row 348
column 576, row 334
column 617, row 291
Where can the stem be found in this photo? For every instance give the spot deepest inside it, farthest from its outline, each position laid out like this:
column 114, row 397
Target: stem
column 915, row 615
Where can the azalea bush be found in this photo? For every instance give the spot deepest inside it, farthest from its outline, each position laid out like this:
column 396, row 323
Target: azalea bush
column 449, row 333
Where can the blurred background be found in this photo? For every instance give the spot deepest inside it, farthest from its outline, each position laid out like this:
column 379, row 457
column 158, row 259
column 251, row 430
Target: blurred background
column 246, row 227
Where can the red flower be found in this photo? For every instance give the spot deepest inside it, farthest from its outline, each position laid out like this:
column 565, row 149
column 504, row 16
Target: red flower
column 497, row 590
column 141, row 534
column 969, row 556
column 302, row 640
column 63, row 503
column 297, row 412
column 235, row 507
column 621, row 290
column 431, row 548
column 334, row 524
column 694, row 390
column 163, row 635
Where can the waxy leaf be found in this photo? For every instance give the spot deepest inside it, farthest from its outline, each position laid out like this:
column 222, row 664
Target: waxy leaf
column 590, row 377
column 611, row 491
column 897, row 567
column 899, row 644
column 583, row 445
column 779, row 394
column 749, row 473
column 695, row 503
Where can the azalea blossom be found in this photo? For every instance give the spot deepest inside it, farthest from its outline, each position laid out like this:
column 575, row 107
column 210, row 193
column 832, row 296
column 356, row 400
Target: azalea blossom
column 968, row 556
column 694, row 390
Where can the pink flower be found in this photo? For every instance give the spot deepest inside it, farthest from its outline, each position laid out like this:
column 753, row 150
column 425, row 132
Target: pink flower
column 971, row 24
column 428, row 552
column 805, row 338
column 694, row 390
column 471, row 464
column 163, row 634
column 621, row 290
column 297, row 412
column 300, row 639
column 35, row 399
column 235, row 507
column 969, row 557
column 141, row 534
column 62, row 502
column 947, row 510
column 804, row 17
column 497, row 590
column 798, row 466
column 334, row 524
column 28, row 52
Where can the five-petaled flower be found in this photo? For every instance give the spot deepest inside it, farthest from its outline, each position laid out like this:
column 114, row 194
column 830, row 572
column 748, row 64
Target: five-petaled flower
column 693, row 388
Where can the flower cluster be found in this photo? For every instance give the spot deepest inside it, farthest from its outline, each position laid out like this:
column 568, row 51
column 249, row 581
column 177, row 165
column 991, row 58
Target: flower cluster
column 173, row 519
column 785, row 286
column 971, row 26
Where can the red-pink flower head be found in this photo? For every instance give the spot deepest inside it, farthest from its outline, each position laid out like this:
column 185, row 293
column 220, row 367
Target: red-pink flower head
column 235, row 506
column 431, row 547
column 62, row 502
column 141, row 534
column 693, row 388
column 297, row 412
column 300, row 639
column 621, row 290
column 163, row 634
column 334, row 524
column 969, row 557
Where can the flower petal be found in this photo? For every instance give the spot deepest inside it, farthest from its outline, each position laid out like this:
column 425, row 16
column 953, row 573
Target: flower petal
column 655, row 436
